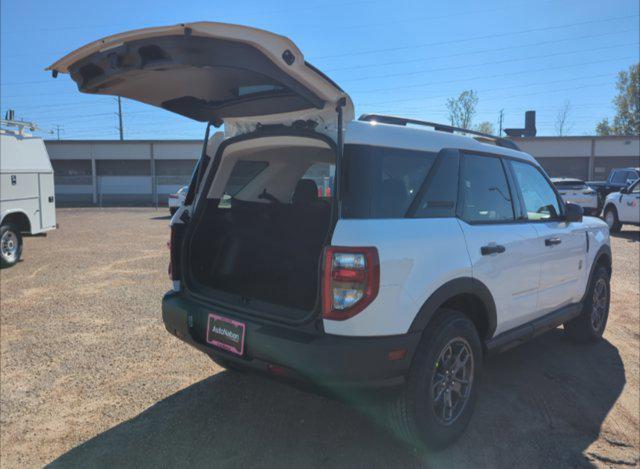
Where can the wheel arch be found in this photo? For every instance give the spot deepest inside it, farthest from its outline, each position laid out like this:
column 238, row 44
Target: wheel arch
column 602, row 258
column 18, row 218
column 467, row 295
column 607, row 206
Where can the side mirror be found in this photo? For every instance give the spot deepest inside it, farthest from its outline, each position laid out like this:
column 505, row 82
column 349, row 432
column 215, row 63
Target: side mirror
column 572, row 213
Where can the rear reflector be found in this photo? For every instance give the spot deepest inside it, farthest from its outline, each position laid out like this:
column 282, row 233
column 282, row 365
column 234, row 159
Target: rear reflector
column 351, row 279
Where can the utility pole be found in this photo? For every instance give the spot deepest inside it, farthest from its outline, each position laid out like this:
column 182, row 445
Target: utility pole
column 58, row 130
column 500, row 121
column 120, row 128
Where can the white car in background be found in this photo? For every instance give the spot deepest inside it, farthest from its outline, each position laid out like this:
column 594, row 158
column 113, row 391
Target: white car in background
column 576, row 191
column 623, row 207
column 177, row 200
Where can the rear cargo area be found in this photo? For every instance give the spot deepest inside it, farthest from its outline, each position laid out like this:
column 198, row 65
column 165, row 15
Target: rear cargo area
column 261, row 228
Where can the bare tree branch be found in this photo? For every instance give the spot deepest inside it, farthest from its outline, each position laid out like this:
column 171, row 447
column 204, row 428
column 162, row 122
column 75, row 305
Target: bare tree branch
column 563, row 125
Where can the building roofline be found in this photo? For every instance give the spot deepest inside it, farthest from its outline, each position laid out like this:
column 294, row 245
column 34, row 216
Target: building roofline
column 576, row 137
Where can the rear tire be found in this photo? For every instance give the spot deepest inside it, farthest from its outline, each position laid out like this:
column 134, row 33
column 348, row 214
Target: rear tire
column 611, row 219
column 590, row 324
column 435, row 407
column 10, row 245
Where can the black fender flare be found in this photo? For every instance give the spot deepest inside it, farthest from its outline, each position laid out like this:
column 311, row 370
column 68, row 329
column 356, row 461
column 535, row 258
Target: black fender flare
column 452, row 288
column 603, row 252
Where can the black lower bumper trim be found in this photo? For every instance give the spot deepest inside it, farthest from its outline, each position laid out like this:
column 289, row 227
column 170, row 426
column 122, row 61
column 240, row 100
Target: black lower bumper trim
column 320, row 359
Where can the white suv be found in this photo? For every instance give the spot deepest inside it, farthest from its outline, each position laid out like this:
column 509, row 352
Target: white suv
column 370, row 253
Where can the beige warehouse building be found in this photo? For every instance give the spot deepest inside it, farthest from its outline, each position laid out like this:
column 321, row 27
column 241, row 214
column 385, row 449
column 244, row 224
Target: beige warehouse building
column 145, row 172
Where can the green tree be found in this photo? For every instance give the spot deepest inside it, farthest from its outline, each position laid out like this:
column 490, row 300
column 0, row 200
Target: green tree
column 462, row 109
column 604, row 128
column 627, row 103
column 486, row 127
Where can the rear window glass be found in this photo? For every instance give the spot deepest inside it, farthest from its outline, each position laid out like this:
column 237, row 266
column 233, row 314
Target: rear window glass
column 381, row 182
column 570, row 185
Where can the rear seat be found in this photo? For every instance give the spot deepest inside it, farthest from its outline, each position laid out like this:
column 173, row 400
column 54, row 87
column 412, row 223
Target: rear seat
column 275, row 244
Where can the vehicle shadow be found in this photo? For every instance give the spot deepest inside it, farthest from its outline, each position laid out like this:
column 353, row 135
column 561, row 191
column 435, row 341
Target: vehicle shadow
column 161, row 217
column 632, row 236
column 541, row 404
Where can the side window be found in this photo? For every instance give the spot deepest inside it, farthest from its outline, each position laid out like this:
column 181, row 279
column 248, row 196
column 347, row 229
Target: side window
column 242, row 174
column 540, row 200
column 619, row 177
column 636, row 188
column 485, row 195
column 381, row 182
column 323, row 174
column 438, row 199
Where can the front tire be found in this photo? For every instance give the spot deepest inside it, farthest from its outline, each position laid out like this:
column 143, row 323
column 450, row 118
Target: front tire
column 10, row 245
column 611, row 219
column 437, row 402
column 590, row 324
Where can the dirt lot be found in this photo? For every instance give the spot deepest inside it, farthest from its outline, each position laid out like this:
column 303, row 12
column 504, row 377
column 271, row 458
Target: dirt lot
column 90, row 377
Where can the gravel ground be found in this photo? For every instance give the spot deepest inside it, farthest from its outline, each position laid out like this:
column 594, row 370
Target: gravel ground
column 90, row 377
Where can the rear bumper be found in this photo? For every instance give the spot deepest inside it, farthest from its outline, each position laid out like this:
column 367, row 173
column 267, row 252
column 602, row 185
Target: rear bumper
column 317, row 359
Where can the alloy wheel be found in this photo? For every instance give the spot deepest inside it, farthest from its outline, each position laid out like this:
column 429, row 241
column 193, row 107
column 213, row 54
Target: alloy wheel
column 599, row 303
column 452, row 381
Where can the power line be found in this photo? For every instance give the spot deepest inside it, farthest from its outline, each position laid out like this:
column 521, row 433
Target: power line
column 475, row 38
column 464, row 66
column 461, row 54
column 499, row 75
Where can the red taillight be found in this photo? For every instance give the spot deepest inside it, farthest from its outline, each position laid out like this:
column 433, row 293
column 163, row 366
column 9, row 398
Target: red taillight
column 350, row 282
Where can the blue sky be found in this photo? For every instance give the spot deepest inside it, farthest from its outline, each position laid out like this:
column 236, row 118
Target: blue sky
column 400, row 57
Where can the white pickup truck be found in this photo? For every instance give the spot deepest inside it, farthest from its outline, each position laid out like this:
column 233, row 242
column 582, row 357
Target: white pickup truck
column 27, row 199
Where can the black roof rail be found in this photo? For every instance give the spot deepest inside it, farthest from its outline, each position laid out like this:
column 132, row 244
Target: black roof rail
column 396, row 120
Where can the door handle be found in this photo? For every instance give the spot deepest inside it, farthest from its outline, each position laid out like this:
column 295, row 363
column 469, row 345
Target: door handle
column 492, row 249
column 552, row 241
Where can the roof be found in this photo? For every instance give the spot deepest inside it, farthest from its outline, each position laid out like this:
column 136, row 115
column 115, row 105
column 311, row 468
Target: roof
column 424, row 139
column 23, row 154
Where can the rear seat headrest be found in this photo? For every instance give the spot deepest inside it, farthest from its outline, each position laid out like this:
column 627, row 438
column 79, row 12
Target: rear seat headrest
column 306, row 192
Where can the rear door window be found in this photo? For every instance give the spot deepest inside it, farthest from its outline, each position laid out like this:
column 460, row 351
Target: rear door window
column 382, row 182
column 484, row 191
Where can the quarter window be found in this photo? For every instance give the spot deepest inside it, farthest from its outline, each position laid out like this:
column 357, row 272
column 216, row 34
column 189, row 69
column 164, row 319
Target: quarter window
column 484, row 190
column 540, row 200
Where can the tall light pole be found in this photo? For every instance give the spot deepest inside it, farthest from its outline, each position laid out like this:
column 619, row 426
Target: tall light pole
column 120, row 127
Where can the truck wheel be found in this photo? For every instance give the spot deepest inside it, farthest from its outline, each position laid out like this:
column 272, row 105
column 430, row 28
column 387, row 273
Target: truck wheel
column 589, row 325
column 611, row 219
column 438, row 399
column 10, row 245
